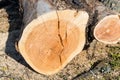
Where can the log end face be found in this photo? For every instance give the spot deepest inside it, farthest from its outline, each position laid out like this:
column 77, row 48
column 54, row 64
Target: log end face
column 108, row 30
column 51, row 43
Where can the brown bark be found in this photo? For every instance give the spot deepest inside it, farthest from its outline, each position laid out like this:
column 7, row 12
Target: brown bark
column 51, row 38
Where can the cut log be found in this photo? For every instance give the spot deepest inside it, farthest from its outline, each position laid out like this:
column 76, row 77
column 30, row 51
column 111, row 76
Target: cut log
column 108, row 30
column 49, row 42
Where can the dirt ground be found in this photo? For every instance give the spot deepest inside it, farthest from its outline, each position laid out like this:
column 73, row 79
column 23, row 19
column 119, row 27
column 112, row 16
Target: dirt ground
column 97, row 61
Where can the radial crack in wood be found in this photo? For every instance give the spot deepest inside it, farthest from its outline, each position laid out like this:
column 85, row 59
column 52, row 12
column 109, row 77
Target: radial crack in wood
column 60, row 38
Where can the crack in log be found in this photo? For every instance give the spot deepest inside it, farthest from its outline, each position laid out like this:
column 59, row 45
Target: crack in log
column 66, row 35
column 60, row 56
column 60, row 38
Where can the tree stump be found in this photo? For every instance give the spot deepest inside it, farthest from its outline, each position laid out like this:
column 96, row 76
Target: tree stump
column 51, row 38
column 108, row 30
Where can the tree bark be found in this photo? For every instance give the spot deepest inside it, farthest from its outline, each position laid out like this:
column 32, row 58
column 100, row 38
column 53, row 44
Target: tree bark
column 35, row 8
column 51, row 38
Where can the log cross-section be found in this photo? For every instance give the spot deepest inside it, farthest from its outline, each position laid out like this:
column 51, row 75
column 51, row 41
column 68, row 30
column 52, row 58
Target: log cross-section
column 108, row 29
column 50, row 41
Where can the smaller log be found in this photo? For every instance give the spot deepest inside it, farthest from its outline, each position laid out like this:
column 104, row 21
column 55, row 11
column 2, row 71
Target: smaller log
column 108, row 30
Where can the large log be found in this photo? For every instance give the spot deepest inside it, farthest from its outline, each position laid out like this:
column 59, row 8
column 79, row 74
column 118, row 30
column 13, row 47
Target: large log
column 108, row 29
column 51, row 38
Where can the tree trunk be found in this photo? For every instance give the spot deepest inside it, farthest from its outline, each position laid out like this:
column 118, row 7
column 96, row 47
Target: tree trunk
column 51, row 38
column 35, row 8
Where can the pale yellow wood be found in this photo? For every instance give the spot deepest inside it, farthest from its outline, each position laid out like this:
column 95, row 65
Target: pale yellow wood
column 51, row 41
column 108, row 30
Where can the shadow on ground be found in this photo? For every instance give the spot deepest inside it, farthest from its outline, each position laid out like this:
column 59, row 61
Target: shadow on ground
column 15, row 21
